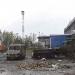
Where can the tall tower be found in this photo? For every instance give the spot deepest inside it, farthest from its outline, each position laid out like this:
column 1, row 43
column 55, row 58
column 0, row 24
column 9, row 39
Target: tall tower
column 22, row 12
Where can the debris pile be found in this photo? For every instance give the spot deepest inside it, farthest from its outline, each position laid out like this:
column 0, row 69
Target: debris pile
column 34, row 65
column 42, row 65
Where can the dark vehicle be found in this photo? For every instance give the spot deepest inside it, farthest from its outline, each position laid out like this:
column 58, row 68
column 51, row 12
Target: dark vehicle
column 44, row 53
column 16, row 51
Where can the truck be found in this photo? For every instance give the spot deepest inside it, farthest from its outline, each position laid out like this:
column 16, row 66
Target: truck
column 16, row 51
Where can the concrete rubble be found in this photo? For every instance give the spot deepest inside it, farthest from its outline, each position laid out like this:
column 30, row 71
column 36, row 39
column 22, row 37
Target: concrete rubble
column 33, row 66
column 42, row 65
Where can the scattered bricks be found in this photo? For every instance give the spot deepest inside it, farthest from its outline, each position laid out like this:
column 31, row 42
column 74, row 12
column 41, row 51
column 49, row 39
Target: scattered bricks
column 41, row 65
column 36, row 65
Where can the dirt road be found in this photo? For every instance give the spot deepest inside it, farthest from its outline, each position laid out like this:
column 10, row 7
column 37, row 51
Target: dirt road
column 10, row 68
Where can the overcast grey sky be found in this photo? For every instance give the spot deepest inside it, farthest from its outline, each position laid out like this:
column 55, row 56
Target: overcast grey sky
column 44, row 16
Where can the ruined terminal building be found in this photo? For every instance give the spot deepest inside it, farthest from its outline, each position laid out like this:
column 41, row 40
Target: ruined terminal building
column 70, row 29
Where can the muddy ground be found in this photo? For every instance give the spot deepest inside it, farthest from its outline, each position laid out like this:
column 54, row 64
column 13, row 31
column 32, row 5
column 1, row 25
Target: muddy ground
column 16, row 67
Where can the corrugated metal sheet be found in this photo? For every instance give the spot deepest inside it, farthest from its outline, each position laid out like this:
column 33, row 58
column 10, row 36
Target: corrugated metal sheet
column 57, row 41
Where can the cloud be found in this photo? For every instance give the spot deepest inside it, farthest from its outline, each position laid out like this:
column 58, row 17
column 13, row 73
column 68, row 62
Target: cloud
column 45, row 16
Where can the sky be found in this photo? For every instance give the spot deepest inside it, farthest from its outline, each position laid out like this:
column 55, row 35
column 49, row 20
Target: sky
column 44, row 16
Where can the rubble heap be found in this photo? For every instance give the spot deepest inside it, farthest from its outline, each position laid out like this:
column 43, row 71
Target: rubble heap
column 34, row 65
column 43, row 65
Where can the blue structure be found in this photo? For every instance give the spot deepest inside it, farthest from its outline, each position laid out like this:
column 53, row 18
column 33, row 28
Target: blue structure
column 57, row 41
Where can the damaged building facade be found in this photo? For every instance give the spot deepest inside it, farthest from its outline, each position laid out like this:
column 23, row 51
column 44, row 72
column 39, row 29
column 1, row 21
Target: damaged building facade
column 70, row 29
column 56, row 41
column 53, row 41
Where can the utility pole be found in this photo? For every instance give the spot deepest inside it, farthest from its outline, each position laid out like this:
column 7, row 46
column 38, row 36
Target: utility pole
column 22, row 12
